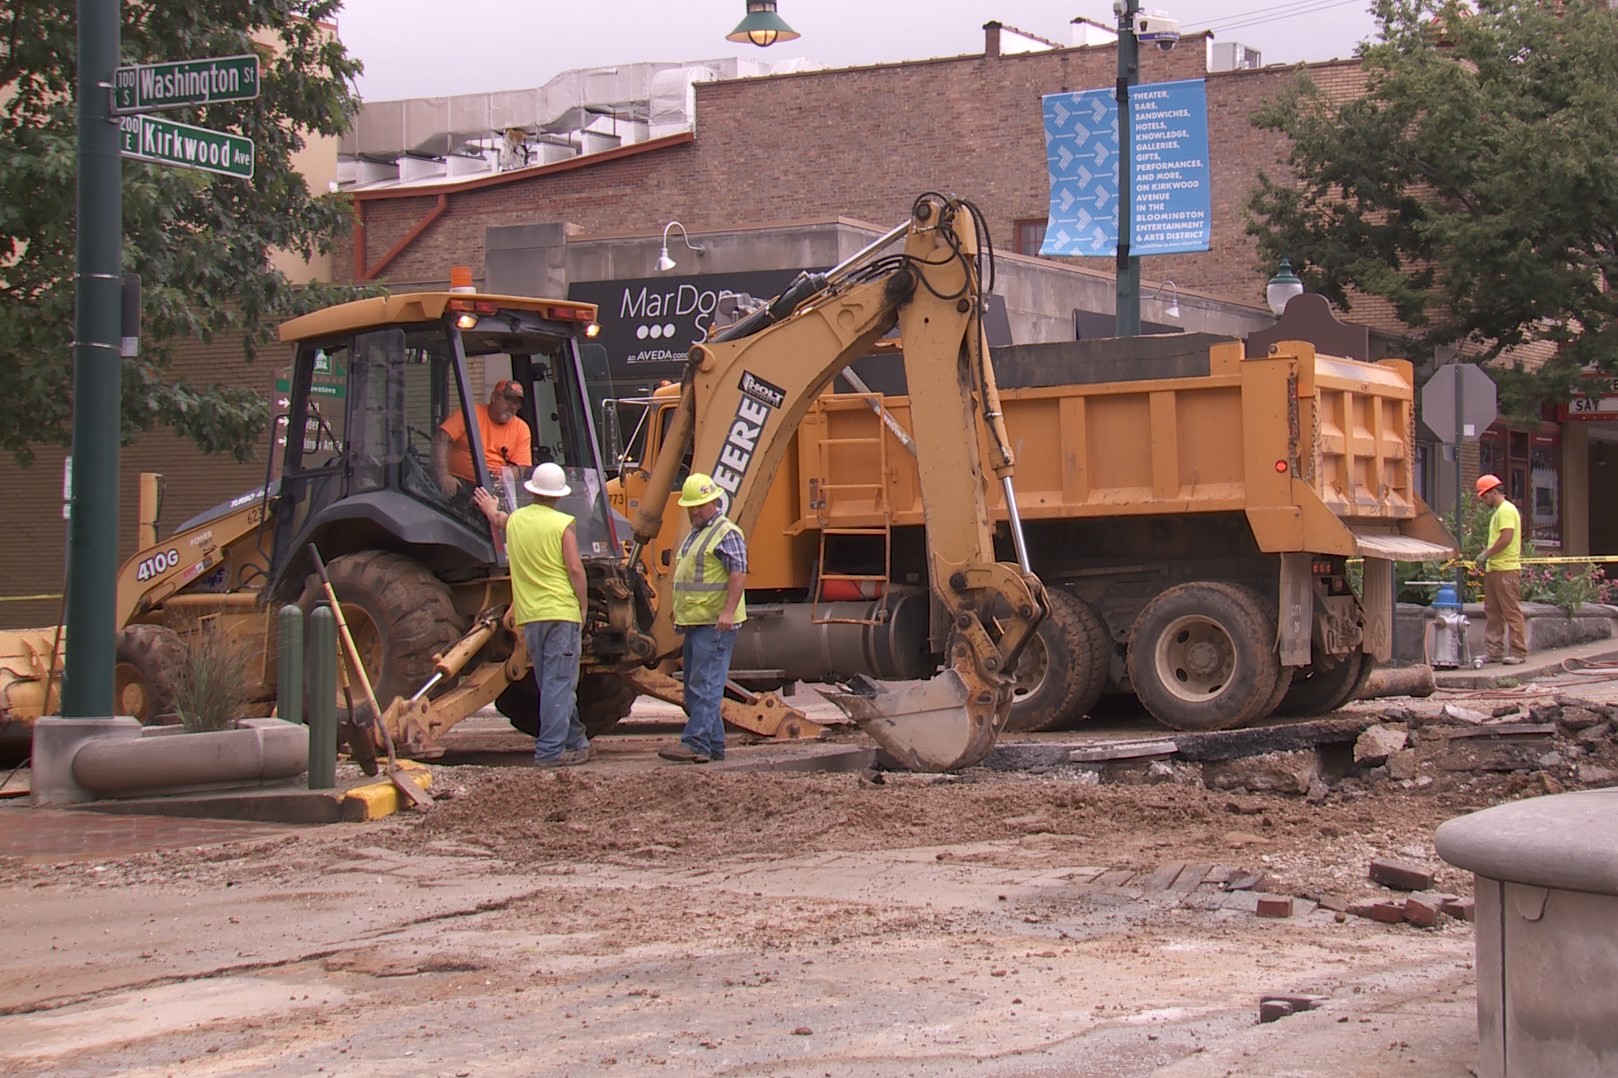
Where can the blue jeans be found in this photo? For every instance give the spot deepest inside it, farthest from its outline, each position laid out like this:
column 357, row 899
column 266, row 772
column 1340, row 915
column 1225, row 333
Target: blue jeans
column 706, row 663
column 553, row 647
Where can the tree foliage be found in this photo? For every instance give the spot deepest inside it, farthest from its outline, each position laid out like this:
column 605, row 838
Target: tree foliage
column 1474, row 186
column 200, row 242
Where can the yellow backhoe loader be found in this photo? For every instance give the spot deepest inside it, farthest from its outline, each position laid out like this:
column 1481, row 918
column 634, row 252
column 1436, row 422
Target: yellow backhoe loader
column 422, row 578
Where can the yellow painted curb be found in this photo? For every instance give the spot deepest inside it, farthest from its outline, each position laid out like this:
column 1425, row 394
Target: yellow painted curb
column 375, row 800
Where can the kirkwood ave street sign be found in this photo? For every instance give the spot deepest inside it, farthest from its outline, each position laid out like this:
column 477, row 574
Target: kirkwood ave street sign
column 148, row 87
column 146, row 138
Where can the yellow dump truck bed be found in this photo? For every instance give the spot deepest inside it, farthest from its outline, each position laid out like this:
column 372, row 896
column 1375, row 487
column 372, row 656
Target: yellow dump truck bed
column 1316, row 450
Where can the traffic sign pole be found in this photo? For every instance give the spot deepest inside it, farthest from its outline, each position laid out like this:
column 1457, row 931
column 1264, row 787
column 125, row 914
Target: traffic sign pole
column 87, row 682
column 1460, row 499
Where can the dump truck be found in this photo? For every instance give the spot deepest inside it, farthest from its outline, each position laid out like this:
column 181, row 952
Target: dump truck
column 1193, row 514
column 423, row 580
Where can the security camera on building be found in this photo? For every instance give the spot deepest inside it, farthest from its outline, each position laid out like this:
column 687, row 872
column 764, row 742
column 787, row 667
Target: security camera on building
column 1158, row 29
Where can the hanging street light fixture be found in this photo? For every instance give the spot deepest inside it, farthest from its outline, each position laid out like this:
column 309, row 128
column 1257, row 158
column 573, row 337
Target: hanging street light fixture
column 762, row 26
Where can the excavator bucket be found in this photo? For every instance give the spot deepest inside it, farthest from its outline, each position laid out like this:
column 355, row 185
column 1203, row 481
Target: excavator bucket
column 935, row 725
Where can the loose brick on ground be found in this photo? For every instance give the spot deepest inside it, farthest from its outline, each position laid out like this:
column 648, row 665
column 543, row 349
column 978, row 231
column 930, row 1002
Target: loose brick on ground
column 1401, row 875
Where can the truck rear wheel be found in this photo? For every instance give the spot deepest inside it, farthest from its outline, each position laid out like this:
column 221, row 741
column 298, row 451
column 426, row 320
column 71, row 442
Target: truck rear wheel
column 149, row 663
column 1062, row 671
column 1202, row 656
column 603, row 700
column 1319, row 689
column 400, row 616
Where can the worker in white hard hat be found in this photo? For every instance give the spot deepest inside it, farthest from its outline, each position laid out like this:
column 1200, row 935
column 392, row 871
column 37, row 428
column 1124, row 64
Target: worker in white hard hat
column 710, row 572
column 549, row 601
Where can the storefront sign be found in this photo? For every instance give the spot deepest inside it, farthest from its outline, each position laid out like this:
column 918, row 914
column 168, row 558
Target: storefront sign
column 648, row 324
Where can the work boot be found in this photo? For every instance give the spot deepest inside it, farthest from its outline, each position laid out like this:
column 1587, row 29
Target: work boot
column 682, row 754
column 1513, row 660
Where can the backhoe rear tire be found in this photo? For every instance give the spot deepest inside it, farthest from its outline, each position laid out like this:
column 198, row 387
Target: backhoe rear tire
column 603, row 700
column 400, row 616
column 1202, row 656
column 150, row 662
column 1061, row 672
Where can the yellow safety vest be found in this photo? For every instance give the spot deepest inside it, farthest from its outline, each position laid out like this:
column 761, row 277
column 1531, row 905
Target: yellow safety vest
column 700, row 578
column 540, row 587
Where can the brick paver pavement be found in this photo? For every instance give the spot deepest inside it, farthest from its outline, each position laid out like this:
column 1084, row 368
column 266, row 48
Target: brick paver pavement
column 42, row 834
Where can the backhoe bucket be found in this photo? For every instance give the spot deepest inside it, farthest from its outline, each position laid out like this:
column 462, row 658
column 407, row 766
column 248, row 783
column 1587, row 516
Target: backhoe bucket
column 936, row 725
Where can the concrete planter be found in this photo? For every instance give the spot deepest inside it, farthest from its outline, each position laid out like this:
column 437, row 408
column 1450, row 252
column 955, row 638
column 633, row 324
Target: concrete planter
column 1546, row 872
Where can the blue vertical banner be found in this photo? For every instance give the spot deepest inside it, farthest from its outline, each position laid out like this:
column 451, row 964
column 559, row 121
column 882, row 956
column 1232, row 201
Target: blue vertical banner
column 1081, row 151
column 1171, row 185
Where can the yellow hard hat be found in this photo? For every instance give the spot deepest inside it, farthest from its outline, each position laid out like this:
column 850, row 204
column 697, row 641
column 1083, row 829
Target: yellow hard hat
column 699, row 489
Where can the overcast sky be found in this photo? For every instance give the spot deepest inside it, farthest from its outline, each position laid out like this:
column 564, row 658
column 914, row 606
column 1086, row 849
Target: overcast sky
column 431, row 48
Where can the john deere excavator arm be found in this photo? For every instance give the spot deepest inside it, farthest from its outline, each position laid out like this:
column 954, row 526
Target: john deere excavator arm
column 745, row 392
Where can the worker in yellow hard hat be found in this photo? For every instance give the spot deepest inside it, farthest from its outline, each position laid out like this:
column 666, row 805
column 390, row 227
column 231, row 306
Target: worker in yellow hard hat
column 710, row 572
column 1501, row 562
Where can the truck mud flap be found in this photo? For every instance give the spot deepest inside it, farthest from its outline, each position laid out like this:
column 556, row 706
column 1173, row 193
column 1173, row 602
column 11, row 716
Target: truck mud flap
column 934, row 725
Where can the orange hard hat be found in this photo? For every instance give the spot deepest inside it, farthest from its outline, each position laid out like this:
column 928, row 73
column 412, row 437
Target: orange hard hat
column 1486, row 483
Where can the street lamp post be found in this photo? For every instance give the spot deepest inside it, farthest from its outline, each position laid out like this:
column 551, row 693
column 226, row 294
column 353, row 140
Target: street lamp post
column 1127, row 304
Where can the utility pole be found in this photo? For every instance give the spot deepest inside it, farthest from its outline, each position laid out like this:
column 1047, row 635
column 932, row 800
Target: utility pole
column 1127, row 305
column 92, row 572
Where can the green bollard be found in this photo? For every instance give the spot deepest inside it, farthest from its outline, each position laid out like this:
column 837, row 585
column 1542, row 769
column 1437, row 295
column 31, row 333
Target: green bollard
column 322, row 672
column 289, row 666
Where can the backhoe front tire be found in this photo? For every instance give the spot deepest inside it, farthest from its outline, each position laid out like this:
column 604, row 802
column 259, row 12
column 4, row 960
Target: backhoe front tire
column 1061, row 672
column 400, row 616
column 150, row 662
column 603, row 700
column 1202, row 656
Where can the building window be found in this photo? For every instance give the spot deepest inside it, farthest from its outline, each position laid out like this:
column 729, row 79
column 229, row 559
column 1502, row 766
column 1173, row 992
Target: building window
column 1030, row 235
column 1529, row 462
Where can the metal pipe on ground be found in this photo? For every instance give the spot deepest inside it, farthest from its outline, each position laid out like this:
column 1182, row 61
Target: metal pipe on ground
column 1416, row 680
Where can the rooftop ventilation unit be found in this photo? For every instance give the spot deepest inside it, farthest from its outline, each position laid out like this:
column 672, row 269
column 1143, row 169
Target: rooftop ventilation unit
column 1233, row 56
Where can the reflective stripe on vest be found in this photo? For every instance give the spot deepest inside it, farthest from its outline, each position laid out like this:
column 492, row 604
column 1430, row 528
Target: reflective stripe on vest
column 700, row 578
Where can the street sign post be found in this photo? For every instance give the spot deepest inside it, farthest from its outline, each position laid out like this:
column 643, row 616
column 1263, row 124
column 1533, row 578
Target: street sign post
column 147, row 138
column 150, row 87
column 1458, row 402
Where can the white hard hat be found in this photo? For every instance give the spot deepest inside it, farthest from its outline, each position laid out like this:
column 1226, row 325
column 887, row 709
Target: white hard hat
column 549, row 481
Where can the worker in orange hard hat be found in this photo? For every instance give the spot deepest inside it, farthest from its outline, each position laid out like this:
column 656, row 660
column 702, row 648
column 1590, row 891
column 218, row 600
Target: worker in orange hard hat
column 1501, row 562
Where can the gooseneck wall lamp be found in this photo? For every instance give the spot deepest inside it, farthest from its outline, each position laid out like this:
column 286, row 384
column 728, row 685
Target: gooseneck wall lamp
column 1282, row 287
column 1173, row 309
column 664, row 262
column 762, row 26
